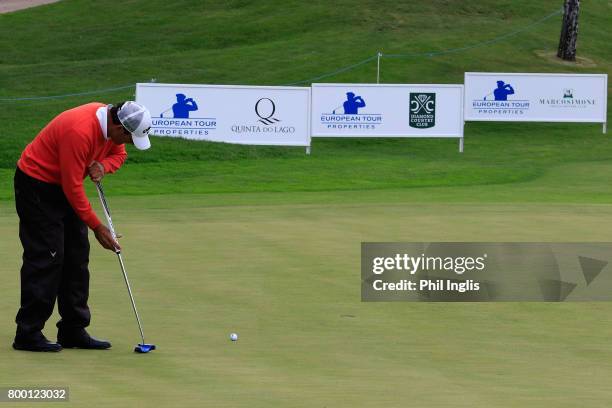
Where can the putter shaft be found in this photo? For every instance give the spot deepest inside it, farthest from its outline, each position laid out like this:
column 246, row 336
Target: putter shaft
column 127, row 284
column 109, row 221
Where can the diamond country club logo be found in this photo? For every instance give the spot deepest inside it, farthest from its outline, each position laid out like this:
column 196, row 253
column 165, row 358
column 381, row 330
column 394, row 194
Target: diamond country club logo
column 422, row 110
column 267, row 120
column 178, row 121
column 347, row 115
column 496, row 102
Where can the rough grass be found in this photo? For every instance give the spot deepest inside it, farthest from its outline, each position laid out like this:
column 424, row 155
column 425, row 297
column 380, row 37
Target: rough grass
column 86, row 46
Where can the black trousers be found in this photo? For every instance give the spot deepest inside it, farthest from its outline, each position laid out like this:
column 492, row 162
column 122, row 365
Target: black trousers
column 55, row 258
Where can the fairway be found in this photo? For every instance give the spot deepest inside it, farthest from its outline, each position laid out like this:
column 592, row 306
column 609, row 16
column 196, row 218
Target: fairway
column 289, row 285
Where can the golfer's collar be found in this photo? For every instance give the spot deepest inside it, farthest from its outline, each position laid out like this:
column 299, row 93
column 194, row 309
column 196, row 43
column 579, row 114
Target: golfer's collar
column 101, row 114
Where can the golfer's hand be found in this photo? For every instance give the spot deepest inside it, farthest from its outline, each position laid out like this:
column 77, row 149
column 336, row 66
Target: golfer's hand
column 105, row 238
column 95, row 171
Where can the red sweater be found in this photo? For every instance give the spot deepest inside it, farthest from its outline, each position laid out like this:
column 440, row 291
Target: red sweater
column 62, row 151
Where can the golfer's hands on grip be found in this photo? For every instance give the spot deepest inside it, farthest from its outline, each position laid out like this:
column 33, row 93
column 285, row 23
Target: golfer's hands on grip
column 105, row 238
column 95, row 171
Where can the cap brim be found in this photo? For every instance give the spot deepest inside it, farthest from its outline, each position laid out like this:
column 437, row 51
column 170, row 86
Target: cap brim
column 142, row 142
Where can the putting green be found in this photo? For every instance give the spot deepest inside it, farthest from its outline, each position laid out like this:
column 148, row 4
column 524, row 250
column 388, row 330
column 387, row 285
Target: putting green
column 282, row 270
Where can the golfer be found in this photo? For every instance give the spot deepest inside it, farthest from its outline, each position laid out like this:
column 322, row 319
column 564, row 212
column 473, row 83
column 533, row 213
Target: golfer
column 54, row 215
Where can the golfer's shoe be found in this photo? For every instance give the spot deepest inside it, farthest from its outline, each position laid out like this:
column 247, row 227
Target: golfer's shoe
column 81, row 339
column 35, row 342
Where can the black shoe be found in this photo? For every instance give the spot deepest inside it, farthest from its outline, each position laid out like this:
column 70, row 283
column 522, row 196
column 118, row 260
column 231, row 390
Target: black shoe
column 81, row 339
column 35, row 342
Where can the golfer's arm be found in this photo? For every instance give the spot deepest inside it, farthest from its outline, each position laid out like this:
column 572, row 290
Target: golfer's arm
column 73, row 158
column 115, row 159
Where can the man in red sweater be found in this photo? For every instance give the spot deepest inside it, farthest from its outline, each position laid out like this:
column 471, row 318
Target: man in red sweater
column 54, row 214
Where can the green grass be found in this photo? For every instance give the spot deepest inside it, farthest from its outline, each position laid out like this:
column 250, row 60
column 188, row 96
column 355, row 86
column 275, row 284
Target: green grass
column 286, row 278
column 275, row 42
column 360, row 164
column 265, row 241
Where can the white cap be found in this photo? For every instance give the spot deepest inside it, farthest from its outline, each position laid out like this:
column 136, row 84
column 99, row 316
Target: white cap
column 136, row 119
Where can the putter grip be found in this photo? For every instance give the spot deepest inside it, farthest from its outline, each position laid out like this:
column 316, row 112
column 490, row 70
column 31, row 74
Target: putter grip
column 106, row 210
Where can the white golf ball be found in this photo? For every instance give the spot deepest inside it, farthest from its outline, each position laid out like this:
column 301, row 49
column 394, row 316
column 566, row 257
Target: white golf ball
column 233, row 336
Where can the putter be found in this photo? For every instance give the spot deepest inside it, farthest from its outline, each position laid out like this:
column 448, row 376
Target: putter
column 141, row 347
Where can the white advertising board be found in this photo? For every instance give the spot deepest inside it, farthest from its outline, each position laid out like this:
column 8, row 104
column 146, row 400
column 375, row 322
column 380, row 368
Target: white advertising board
column 255, row 115
column 374, row 110
column 535, row 97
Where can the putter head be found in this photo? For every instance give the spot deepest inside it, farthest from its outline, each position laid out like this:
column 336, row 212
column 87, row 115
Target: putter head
column 144, row 348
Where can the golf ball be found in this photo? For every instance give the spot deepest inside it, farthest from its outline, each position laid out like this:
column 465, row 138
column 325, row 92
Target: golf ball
column 233, row 336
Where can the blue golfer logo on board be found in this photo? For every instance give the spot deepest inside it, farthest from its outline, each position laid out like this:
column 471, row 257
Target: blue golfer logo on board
column 496, row 102
column 352, row 104
column 182, row 107
column 502, row 91
column 182, row 123
column 346, row 115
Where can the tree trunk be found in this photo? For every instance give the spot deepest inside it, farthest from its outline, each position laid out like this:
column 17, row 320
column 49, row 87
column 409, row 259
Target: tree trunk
column 569, row 31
